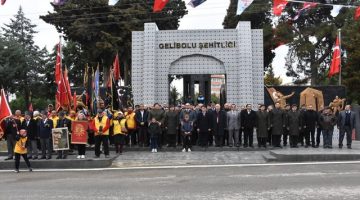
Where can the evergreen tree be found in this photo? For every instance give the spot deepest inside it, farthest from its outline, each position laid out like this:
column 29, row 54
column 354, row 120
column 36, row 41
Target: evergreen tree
column 21, row 58
column 102, row 30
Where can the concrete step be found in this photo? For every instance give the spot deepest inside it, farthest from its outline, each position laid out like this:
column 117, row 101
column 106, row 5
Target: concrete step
column 269, row 158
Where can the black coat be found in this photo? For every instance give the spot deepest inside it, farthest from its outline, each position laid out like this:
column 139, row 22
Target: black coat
column 44, row 129
column 310, row 118
column 64, row 123
column 294, row 123
column 248, row 120
column 172, row 122
column 139, row 118
column 277, row 121
column 262, row 124
column 204, row 122
column 31, row 129
column 12, row 126
column 219, row 122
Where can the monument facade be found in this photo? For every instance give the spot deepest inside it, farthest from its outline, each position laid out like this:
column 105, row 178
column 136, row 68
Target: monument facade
column 237, row 53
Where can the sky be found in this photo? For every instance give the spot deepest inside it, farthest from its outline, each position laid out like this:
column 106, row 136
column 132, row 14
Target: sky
column 208, row 15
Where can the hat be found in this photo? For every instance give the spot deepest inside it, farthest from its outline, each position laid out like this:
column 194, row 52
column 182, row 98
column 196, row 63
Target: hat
column 100, row 110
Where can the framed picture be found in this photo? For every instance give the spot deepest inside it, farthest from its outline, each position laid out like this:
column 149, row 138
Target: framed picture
column 60, row 138
column 79, row 132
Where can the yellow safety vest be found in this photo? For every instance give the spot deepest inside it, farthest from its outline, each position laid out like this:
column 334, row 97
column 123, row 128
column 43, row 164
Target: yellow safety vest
column 101, row 123
column 118, row 126
column 20, row 146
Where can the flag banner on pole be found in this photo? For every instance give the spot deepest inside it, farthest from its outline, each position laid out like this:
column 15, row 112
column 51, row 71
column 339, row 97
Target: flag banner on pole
column 196, row 3
column 242, row 5
column 307, row 6
column 159, row 5
column 116, row 68
column 58, row 70
column 5, row 110
column 357, row 13
column 67, row 83
column 279, row 6
column 336, row 60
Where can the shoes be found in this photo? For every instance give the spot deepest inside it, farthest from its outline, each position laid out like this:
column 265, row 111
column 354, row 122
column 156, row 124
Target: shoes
column 9, row 158
column 306, row 146
column 16, row 171
column 340, row 146
column 42, row 158
column 30, row 169
column 48, row 158
column 155, row 150
column 189, row 150
column 64, row 157
column 82, row 156
column 152, row 150
column 78, row 157
column 107, row 156
column 349, row 147
column 58, row 157
column 35, row 158
column 184, row 150
column 96, row 156
column 329, row 147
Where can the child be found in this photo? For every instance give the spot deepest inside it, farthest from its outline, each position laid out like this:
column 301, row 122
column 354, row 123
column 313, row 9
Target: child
column 120, row 131
column 154, row 132
column 186, row 129
column 20, row 150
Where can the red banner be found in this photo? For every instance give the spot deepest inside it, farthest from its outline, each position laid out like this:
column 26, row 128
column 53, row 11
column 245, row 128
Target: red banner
column 79, row 132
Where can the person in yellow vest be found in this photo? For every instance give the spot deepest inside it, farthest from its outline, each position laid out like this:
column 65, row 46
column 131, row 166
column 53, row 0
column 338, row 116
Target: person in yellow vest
column 131, row 126
column 120, row 131
column 21, row 150
column 18, row 116
column 71, row 116
column 100, row 126
column 54, row 117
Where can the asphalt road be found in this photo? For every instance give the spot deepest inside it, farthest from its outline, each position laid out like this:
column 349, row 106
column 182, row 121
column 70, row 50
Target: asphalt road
column 329, row 181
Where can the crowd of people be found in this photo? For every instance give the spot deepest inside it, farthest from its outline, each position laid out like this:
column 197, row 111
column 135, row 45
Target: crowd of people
column 187, row 125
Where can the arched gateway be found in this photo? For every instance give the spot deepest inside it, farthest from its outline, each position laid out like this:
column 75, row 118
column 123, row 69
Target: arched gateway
column 238, row 53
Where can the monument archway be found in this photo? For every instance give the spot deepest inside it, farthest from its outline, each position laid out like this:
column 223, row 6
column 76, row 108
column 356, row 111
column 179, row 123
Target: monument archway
column 238, row 53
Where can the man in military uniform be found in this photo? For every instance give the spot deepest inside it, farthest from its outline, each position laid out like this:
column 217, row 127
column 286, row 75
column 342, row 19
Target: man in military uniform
column 63, row 122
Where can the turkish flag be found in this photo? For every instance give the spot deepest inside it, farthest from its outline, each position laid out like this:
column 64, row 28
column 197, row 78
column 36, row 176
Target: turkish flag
column 279, row 6
column 357, row 13
column 67, row 83
column 336, row 60
column 58, row 70
column 4, row 107
column 3, row 2
column 159, row 5
column 116, row 66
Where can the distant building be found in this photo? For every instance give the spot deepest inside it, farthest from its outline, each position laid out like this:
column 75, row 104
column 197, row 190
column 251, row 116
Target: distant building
column 216, row 82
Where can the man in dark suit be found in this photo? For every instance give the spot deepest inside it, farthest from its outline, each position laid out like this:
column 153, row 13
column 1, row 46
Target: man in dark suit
column 12, row 126
column 219, row 125
column 248, row 122
column 204, row 121
column 63, row 123
column 346, row 124
column 141, row 117
column 310, row 123
column 30, row 125
column 45, row 127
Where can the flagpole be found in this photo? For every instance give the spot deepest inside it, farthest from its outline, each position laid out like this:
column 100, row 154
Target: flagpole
column 339, row 30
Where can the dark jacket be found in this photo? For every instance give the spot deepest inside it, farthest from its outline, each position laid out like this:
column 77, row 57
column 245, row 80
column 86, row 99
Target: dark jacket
column 277, row 121
column 31, row 129
column 63, row 123
column 159, row 115
column 154, row 129
column 262, row 124
column 45, row 129
column 187, row 127
column 294, row 123
column 327, row 121
column 248, row 120
column 172, row 122
column 342, row 119
column 142, row 118
column 219, row 122
column 310, row 119
column 12, row 126
column 204, row 122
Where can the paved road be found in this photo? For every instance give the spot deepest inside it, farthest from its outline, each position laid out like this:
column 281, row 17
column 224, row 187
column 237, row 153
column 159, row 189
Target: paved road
column 279, row 181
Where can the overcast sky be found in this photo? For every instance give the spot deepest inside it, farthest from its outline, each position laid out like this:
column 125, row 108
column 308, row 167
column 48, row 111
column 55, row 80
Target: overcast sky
column 209, row 15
